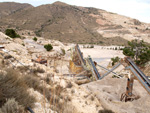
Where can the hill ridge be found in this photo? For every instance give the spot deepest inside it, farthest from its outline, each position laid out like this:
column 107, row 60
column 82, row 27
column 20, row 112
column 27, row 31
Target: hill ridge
column 74, row 24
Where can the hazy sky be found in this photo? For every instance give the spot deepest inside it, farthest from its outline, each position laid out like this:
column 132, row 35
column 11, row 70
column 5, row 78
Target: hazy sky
column 139, row 9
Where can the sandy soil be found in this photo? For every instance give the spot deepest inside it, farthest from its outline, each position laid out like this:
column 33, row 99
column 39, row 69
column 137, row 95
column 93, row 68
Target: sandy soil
column 109, row 90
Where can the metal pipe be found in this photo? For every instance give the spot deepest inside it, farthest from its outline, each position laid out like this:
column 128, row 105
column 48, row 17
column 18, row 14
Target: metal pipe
column 30, row 110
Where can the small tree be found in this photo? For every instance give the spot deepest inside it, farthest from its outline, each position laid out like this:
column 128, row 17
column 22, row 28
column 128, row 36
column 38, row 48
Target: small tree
column 48, row 47
column 139, row 51
column 35, row 39
column 11, row 33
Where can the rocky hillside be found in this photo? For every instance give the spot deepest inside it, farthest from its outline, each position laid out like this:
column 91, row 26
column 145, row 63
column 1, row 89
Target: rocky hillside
column 68, row 23
column 8, row 8
column 51, row 87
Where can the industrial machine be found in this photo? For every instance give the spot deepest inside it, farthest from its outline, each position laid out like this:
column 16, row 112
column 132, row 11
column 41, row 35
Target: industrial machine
column 139, row 75
column 88, row 66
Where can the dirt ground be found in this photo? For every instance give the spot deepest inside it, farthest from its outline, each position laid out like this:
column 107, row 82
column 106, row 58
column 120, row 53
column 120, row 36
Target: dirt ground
column 109, row 90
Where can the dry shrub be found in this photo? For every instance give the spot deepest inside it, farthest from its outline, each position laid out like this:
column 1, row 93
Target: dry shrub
column 51, row 94
column 69, row 85
column 105, row 111
column 49, row 80
column 34, row 82
column 92, row 98
column 58, row 89
column 13, row 86
column 1, row 62
column 2, row 97
column 7, row 56
column 69, row 109
column 38, row 70
column 12, row 106
column 23, row 68
column 4, row 63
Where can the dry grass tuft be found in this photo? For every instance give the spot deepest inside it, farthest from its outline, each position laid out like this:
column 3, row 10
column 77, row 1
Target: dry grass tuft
column 51, row 94
column 12, row 106
column 69, row 85
column 13, row 86
column 23, row 68
column 38, row 70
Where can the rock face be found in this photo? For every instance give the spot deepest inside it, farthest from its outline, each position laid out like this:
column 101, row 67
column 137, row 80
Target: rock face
column 68, row 23
column 57, row 90
column 3, row 38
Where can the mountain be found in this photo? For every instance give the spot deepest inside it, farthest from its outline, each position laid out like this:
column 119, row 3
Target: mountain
column 75, row 24
column 7, row 8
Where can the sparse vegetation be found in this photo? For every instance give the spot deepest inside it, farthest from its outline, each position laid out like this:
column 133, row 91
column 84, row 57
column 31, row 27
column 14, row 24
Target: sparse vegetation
column 12, row 106
column 48, row 47
column 35, row 39
column 114, row 60
column 38, row 70
column 13, row 86
column 63, row 51
column 37, row 33
column 92, row 46
column 105, row 111
column 23, row 44
column 11, row 33
column 21, row 85
column 139, row 51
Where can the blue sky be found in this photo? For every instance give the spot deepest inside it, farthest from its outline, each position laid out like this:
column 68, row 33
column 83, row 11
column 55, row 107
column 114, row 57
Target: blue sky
column 139, row 9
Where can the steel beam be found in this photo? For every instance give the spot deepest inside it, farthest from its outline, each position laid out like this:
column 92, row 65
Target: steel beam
column 139, row 71
column 80, row 55
column 111, row 70
column 139, row 78
column 94, row 69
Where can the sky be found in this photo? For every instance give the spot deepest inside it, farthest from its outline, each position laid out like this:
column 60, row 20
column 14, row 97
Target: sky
column 138, row 9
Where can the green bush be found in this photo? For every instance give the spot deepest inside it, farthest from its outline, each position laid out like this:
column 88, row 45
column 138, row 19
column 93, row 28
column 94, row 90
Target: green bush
column 139, row 51
column 48, row 47
column 35, row 39
column 11, row 33
column 114, row 60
